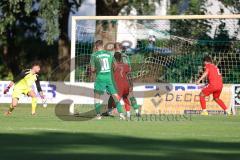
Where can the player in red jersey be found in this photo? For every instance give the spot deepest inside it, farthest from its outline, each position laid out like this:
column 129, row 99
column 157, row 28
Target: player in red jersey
column 120, row 76
column 214, row 86
column 123, row 84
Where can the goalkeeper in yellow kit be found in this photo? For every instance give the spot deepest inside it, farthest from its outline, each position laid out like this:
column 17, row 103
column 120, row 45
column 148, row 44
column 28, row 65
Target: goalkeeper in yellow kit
column 23, row 85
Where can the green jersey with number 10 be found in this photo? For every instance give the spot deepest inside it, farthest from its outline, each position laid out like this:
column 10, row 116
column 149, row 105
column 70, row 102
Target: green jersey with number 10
column 102, row 61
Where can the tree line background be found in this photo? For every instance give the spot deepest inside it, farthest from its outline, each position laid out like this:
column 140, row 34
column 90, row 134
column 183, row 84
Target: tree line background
column 38, row 29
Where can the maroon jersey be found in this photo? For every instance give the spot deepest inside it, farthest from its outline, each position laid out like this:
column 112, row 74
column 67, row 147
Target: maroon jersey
column 214, row 76
column 120, row 76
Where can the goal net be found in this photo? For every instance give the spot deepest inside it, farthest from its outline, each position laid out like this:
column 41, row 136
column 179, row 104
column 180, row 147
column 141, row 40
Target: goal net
column 161, row 49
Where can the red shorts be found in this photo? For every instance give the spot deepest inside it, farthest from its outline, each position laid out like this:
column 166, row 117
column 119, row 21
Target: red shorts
column 123, row 93
column 123, row 90
column 210, row 89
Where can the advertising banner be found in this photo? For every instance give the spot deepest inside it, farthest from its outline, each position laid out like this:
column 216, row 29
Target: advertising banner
column 236, row 92
column 182, row 99
column 156, row 98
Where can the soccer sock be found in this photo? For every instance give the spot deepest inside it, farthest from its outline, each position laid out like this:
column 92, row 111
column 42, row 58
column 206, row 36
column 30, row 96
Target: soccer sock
column 110, row 110
column 119, row 106
column 34, row 105
column 126, row 104
column 136, row 111
column 98, row 107
column 221, row 104
column 11, row 108
column 128, row 114
column 111, row 104
column 134, row 103
column 203, row 102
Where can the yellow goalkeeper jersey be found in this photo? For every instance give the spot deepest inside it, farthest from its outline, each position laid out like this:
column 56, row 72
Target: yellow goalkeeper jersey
column 26, row 80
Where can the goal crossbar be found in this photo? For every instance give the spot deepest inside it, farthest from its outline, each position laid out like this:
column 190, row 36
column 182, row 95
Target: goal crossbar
column 168, row 17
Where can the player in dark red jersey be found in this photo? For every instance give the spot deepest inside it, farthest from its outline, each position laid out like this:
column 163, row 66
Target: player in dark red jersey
column 123, row 85
column 120, row 76
column 214, row 86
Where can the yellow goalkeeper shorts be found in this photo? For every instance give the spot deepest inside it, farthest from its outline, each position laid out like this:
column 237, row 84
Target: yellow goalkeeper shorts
column 19, row 90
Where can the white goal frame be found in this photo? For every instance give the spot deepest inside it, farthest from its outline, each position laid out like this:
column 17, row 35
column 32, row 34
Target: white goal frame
column 169, row 17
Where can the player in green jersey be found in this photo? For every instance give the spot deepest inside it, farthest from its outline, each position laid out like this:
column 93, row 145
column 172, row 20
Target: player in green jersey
column 102, row 64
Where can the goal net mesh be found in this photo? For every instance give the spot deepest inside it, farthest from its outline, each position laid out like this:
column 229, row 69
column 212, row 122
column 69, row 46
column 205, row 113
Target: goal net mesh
column 162, row 50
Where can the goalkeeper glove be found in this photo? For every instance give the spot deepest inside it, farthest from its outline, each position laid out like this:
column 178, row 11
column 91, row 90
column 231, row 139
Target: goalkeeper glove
column 42, row 96
column 6, row 90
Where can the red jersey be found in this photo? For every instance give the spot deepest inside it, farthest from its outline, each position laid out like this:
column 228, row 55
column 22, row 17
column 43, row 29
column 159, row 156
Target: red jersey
column 120, row 75
column 214, row 76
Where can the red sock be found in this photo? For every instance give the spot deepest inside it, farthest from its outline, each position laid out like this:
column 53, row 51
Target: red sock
column 203, row 102
column 126, row 104
column 221, row 104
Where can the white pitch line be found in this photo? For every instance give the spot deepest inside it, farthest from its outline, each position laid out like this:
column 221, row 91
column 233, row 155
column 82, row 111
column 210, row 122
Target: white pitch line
column 35, row 128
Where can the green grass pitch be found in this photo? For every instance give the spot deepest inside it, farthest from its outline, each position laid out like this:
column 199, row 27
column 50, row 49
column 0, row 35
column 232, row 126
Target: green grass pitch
column 45, row 137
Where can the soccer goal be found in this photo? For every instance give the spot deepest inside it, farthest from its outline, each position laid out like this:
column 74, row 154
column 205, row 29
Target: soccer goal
column 161, row 49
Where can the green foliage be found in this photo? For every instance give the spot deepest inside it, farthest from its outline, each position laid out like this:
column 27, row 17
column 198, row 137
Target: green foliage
column 24, row 24
column 234, row 75
column 196, row 29
column 5, row 73
column 142, row 7
column 184, row 68
column 199, row 30
column 231, row 3
column 49, row 12
column 17, row 12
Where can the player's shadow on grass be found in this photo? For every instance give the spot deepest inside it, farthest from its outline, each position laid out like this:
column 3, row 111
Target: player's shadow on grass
column 68, row 146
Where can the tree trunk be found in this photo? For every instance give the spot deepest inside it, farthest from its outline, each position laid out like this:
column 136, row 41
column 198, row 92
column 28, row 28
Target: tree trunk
column 107, row 31
column 109, row 8
column 63, row 42
column 11, row 54
column 10, row 57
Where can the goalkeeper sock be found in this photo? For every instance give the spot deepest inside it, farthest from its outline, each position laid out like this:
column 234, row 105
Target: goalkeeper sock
column 221, row 104
column 11, row 108
column 34, row 105
column 98, row 107
column 134, row 103
column 203, row 102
